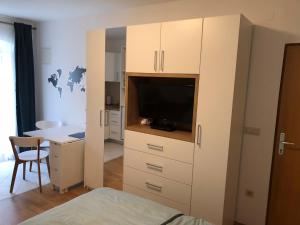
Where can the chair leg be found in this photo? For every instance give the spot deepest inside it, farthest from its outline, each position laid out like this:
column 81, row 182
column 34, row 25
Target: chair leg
column 30, row 166
column 24, row 170
column 14, row 177
column 39, row 173
column 48, row 165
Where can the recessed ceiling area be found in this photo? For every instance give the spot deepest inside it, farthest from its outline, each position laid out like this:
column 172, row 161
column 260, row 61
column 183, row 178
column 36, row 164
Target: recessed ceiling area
column 42, row 10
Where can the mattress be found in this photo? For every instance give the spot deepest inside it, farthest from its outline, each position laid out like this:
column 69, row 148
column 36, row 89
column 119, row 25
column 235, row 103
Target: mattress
column 106, row 206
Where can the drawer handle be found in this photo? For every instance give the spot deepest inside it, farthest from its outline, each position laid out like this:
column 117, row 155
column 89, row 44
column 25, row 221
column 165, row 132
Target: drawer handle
column 56, row 170
column 155, row 147
column 153, row 187
column 154, row 167
column 55, row 156
column 113, row 121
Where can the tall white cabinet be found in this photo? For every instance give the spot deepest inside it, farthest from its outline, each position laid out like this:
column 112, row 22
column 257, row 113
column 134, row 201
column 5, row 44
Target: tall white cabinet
column 95, row 113
column 197, row 176
column 151, row 162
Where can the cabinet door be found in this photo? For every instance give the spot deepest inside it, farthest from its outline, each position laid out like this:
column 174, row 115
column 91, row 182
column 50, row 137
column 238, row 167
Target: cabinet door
column 181, row 46
column 94, row 141
column 142, row 48
column 215, row 99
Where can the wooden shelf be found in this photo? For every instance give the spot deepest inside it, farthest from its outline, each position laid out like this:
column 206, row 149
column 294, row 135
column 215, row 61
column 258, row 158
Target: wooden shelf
column 177, row 134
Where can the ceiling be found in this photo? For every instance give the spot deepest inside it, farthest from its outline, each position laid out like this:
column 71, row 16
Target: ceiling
column 42, row 10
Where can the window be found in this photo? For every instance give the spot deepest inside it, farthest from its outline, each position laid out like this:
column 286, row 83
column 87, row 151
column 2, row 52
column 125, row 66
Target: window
column 8, row 123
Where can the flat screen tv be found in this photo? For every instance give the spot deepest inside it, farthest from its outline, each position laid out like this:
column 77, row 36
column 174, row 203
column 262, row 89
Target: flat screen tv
column 169, row 102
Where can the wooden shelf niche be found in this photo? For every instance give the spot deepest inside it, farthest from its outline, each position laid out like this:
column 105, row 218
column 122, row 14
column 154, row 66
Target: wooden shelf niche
column 133, row 118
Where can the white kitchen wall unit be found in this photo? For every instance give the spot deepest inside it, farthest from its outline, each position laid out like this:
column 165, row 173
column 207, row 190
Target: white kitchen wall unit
column 169, row 47
column 95, row 81
column 207, row 167
column 112, row 66
column 66, row 160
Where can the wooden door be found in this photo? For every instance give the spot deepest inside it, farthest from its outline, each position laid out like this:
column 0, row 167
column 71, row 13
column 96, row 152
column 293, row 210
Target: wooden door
column 284, row 196
column 181, row 46
column 95, row 113
column 142, row 48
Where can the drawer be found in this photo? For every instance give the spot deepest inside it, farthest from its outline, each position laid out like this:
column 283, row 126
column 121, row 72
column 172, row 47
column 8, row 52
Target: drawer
column 115, row 132
column 167, row 168
column 114, row 117
column 164, row 201
column 177, row 192
column 161, row 146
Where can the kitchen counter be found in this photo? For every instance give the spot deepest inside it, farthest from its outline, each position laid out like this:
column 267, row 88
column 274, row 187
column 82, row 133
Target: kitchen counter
column 112, row 107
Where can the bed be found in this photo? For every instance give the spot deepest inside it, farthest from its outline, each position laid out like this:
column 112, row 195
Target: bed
column 106, row 206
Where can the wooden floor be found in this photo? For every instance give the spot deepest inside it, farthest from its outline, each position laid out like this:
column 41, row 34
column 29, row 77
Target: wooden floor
column 21, row 207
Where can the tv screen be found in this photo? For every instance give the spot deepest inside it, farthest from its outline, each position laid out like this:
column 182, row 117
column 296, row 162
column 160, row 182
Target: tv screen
column 169, row 100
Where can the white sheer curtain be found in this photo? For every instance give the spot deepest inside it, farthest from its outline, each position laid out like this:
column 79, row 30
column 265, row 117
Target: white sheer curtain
column 8, row 122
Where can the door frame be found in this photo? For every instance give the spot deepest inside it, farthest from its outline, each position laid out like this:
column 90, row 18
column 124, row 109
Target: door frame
column 276, row 129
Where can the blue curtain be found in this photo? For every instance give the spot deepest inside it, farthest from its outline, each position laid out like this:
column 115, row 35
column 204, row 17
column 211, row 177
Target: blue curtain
column 25, row 93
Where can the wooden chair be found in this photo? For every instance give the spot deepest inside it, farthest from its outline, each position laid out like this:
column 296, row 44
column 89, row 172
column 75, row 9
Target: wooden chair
column 28, row 156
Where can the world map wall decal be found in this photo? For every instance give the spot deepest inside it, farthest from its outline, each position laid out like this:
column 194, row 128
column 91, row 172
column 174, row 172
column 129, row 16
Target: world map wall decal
column 76, row 78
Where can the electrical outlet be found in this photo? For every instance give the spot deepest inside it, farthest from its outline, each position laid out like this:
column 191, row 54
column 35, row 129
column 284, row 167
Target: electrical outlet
column 249, row 193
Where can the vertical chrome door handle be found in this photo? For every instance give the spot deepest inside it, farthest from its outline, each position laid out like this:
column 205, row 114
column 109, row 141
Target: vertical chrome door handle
column 155, row 61
column 106, row 118
column 282, row 143
column 162, row 60
column 199, row 131
column 100, row 118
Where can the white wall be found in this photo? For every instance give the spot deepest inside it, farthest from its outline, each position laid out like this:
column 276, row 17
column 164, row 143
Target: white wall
column 276, row 23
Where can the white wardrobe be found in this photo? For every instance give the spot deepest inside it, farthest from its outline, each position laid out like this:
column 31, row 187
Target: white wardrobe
column 199, row 176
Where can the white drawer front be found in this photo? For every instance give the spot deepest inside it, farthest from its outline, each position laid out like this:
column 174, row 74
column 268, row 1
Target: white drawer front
column 115, row 132
column 181, row 207
column 168, row 168
column 161, row 146
column 163, row 187
column 114, row 117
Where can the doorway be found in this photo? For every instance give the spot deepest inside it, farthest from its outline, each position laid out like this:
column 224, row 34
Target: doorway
column 284, row 195
column 115, row 41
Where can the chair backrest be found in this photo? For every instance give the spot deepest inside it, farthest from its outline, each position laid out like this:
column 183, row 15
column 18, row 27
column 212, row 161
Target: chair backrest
column 44, row 124
column 26, row 142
